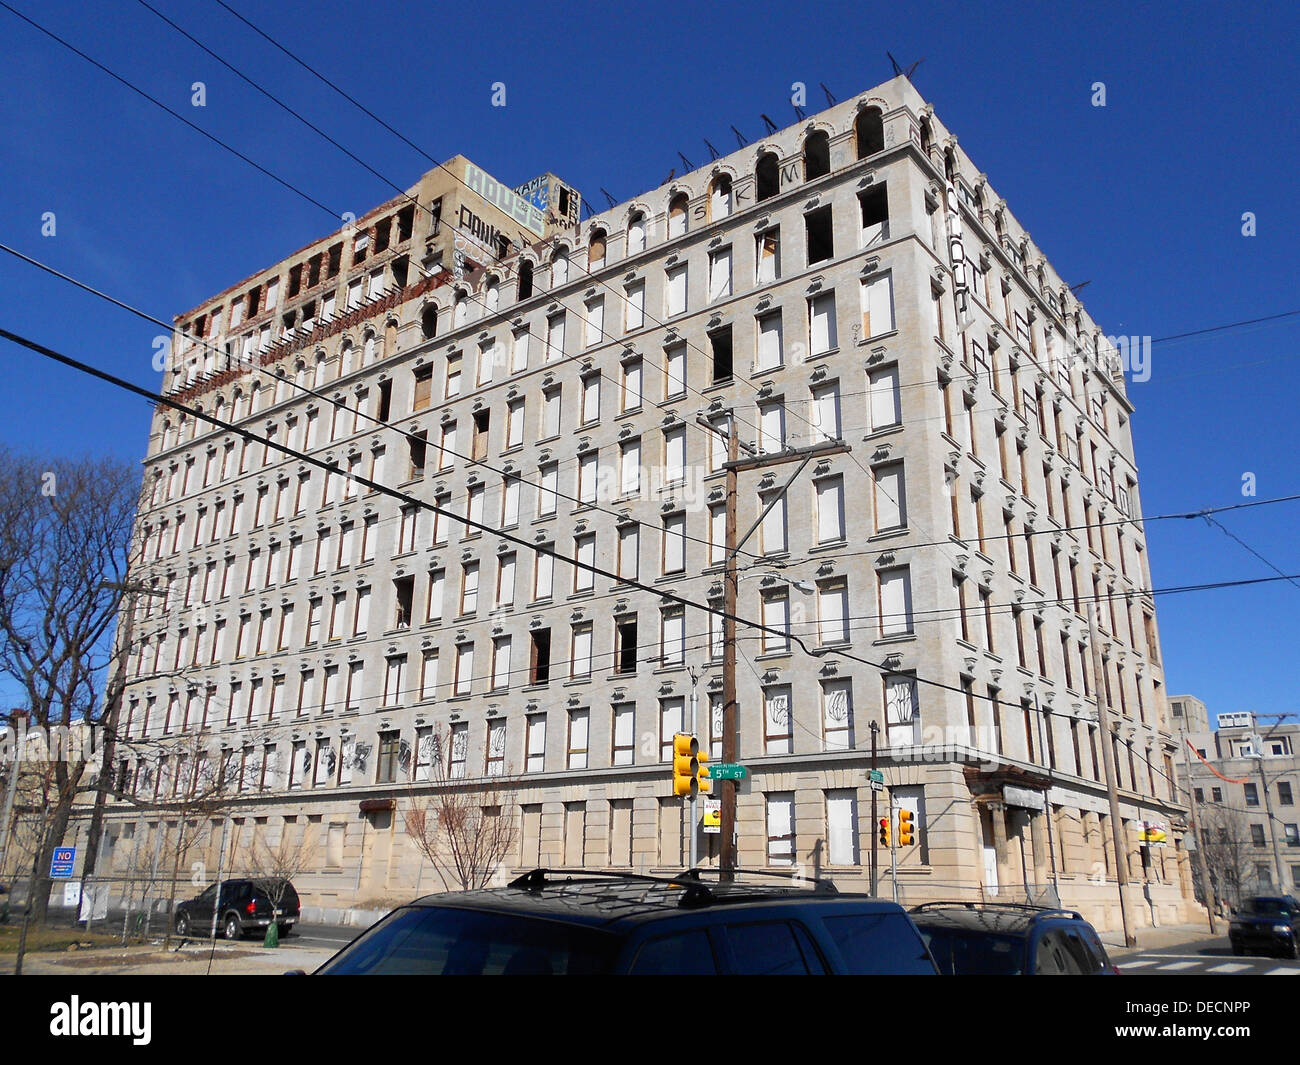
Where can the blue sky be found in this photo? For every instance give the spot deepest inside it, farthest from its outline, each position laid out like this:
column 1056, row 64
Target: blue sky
column 1144, row 198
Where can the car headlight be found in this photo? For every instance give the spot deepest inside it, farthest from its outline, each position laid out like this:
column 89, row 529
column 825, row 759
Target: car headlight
column 1283, row 928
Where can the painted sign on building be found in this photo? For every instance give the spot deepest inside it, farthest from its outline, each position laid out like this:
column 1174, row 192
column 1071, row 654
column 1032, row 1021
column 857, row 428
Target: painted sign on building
column 504, row 199
column 957, row 254
column 1152, row 834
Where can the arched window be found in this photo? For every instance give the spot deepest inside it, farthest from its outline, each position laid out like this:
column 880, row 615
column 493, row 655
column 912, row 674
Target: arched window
column 219, row 408
column 318, row 373
column 596, row 249
column 719, row 197
column 677, row 215
column 254, row 398
column 816, row 155
column 460, row 308
column 237, row 408
column 525, row 280
column 166, row 434
column 869, row 132
column 559, row 267
column 636, row 232
column 767, row 176
column 927, row 138
column 949, row 165
column 429, row 322
column 368, row 349
column 281, row 386
column 299, row 375
column 346, row 355
column 492, row 295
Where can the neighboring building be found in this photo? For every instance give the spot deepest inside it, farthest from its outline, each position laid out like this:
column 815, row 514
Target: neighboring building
column 325, row 634
column 1188, row 714
column 1245, row 777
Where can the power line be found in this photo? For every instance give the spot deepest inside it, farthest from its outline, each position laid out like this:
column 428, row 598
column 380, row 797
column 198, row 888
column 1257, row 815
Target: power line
column 341, row 405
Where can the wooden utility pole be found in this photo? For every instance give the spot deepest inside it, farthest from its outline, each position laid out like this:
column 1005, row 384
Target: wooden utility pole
column 734, row 542
column 1108, row 763
column 1211, row 895
column 730, row 717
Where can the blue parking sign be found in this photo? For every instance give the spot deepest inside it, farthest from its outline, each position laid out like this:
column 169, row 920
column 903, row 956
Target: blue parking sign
column 61, row 863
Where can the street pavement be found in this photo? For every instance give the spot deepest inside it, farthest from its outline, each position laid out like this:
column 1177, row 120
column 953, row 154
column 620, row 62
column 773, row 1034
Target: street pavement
column 1204, row 957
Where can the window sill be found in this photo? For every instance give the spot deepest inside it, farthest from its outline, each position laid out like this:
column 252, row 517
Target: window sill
column 878, row 337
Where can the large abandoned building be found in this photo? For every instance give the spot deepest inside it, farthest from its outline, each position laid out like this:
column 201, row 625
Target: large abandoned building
column 346, row 656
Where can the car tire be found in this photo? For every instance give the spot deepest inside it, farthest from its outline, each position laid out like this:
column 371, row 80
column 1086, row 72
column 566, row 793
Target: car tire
column 1238, row 949
column 232, row 928
column 182, row 924
column 1289, row 951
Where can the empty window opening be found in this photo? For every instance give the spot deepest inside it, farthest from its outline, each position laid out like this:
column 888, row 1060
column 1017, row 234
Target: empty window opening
column 429, row 322
column 869, row 131
column 816, row 155
column 405, row 220
column 539, row 663
column 720, row 343
column 482, row 424
column 875, row 214
column 625, row 652
column 525, row 280
column 821, row 240
column 767, row 175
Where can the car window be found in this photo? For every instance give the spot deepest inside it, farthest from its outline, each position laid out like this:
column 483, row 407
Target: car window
column 208, row 895
column 766, row 948
column 879, row 943
column 682, row 954
column 435, row 940
column 975, row 953
column 1083, row 950
column 1052, row 958
column 1263, row 907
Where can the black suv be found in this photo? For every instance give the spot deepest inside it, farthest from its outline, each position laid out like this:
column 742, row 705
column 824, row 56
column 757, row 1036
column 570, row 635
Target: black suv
column 1269, row 924
column 246, row 905
column 559, row 922
column 1010, row 939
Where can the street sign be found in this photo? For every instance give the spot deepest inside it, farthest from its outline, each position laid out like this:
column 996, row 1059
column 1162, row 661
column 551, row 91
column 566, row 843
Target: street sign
column 877, row 785
column 728, row 771
column 712, row 816
column 876, row 777
column 61, row 863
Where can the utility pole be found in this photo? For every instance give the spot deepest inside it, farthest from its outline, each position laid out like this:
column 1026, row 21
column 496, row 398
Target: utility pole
column 893, row 846
column 1210, row 902
column 1268, row 802
column 730, row 710
column 1043, row 749
column 730, row 718
column 1108, row 763
column 692, row 828
column 875, row 842
column 108, row 726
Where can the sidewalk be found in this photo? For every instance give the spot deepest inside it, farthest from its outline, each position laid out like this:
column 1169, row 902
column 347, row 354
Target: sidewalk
column 228, row 959
column 1170, row 935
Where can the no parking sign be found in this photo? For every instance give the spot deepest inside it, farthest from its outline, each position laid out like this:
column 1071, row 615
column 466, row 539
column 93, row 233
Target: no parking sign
column 61, row 863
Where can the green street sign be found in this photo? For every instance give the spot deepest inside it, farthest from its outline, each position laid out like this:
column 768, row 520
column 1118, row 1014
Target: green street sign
column 876, row 774
column 728, row 771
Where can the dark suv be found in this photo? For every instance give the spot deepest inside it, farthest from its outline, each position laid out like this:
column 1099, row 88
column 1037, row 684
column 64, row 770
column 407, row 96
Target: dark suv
column 557, row 922
column 245, row 905
column 1268, row 924
column 1010, row 939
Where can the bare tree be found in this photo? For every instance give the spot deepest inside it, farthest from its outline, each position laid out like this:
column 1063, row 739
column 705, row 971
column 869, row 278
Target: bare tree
column 186, row 782
column 273, row 866
column 65, row 537
column 1229, row 854
column 464, row 827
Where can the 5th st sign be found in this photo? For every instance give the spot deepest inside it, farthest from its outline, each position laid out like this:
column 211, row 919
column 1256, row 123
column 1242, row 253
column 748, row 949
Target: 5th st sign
column 728, row 771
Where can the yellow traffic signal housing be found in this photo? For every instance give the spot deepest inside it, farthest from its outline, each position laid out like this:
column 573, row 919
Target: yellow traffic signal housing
column 906, row 828
column 702, row 776
column 686, row 749
column 884, row 831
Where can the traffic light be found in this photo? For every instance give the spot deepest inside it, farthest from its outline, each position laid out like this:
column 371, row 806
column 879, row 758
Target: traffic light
column 884, row 831
column 686, row 766
column 702, row 773
column 905, row 828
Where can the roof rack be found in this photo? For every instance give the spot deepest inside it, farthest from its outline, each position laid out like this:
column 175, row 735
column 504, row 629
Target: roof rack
column 821, row 885
column 695, row 890
column 1028, row 908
